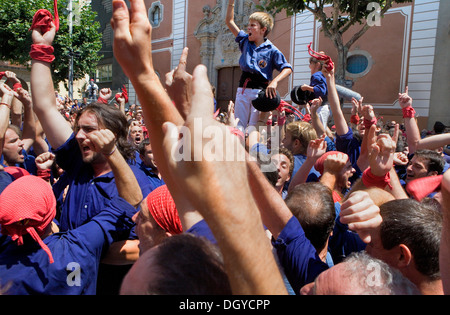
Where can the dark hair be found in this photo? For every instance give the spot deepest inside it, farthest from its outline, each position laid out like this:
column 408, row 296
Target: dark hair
column 418, row 226
column 142, row 145
column 435, row 160
column 312, row 204
column 438, row 127
column 113, row 119
column 188, row 265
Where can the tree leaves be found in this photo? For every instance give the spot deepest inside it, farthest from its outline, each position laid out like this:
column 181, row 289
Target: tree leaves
column 15, row 38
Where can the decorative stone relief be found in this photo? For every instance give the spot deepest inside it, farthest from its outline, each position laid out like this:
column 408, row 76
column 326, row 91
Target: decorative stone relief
column 218, row 46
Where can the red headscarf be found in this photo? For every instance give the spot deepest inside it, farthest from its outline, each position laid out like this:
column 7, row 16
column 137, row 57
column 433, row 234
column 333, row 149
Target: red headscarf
column 27, row 206
column 162, row 207
column 16, row 172
column 421, row 187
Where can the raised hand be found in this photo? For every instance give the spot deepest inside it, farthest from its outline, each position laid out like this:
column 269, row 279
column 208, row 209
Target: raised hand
column 381, row 152
column 357, row 106
column 178, row 85
column 47, row 38
column 11, row 77
column 217, row 159
column 335, row 163
column 105, row 93
column 315, row 104
column 316, row 148
column 44, row 161
column 400, row 158
column 222, row 159
column 132, row 38
column 103, row 140
column 361, row 214
column 404, row 99
column 7, row 94
column 24, row 96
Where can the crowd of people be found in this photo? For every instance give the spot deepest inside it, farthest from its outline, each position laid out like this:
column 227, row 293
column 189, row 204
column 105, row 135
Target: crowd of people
column 171, row 197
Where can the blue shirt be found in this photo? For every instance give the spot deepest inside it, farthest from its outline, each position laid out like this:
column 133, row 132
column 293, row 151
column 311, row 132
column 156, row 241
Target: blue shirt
column 201, row 229
column 87, row 195
column 319, row 84
column 28, row 164
column 262, row 59
column 299, row 159
column 352, row 147
column 28, row 269
column 154, row 179
column 297, row 255
column 343, row 242
column 5, row 180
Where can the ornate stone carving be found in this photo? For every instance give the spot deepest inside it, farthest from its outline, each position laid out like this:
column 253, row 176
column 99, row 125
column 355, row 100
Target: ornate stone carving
column 218, row 46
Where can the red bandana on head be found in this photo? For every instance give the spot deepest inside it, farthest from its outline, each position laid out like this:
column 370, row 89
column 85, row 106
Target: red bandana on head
column 421, row 187
column 162, row 207
column 27, row 206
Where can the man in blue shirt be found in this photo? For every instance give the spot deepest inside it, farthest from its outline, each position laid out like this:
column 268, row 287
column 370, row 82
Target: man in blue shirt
column 148, row 165
column 88, row 174
column 26, row 269
column 42, row 267
column 258, row 60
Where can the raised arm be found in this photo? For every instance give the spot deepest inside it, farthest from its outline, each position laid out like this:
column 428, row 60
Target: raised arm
column 7, row 96
column 333, row 99
column 29, row 119
column 126, row 182
column 200, row 179
column 274, row 212
column 316, row 148
column 125, row 251
column 232, row 214
column 434, row 142
column 16, row 106
column 132, row 48
column 368, row 116
column 43, row 94
column 229, row 19
column 315, row 120
column 411, row 127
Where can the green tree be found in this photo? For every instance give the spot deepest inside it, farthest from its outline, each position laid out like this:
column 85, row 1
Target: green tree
column 336, row 20
column 15, row 38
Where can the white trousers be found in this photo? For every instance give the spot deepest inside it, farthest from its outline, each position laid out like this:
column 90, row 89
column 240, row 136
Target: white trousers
column 324, row 113
column 243, row 108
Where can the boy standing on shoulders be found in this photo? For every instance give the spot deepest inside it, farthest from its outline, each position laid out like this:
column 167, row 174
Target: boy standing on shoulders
column 258, row 60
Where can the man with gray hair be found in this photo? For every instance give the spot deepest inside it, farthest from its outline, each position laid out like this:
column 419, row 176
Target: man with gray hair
column 360, row 274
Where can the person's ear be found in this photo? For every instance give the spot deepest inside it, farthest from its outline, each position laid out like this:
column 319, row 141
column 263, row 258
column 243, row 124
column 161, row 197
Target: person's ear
column 405, row 256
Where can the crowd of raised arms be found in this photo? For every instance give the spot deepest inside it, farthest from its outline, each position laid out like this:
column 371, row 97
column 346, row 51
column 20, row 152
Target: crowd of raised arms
column 178, row 196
